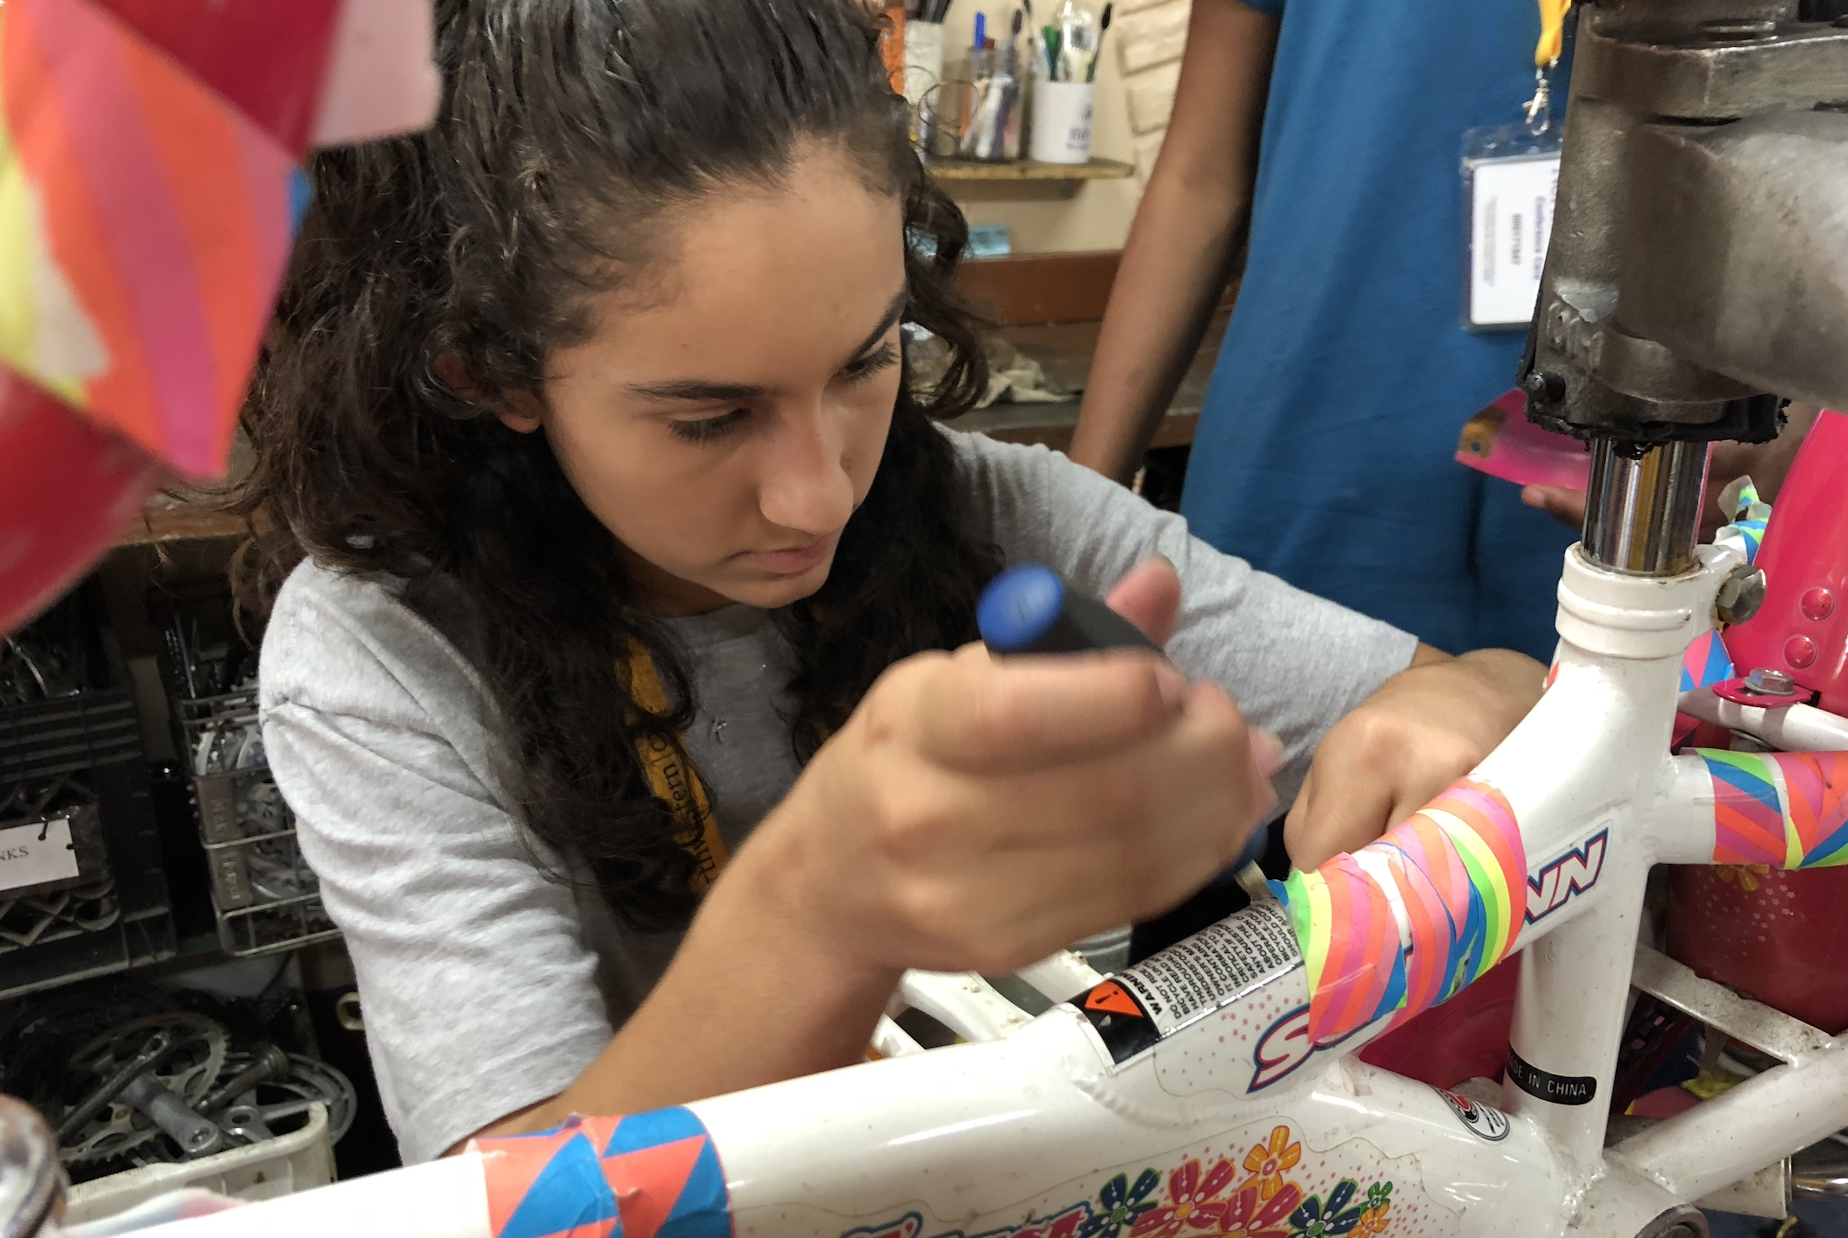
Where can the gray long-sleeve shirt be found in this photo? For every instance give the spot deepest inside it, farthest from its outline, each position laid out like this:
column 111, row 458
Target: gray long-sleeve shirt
column 489, row 985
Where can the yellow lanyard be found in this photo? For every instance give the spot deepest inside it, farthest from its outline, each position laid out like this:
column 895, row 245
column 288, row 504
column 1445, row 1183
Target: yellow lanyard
column 1552, row 32
column 672, row 778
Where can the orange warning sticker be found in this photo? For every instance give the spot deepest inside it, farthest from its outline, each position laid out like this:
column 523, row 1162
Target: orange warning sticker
column 1110, row 998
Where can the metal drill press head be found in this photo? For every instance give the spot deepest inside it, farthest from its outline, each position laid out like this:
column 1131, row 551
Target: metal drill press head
column 1697, row 276
column 1698, row 270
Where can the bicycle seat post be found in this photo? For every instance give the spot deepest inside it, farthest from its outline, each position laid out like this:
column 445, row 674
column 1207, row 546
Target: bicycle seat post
column 1642, row 509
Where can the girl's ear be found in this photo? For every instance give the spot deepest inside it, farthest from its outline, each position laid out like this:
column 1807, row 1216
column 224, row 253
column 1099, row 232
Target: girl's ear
column 519, row 411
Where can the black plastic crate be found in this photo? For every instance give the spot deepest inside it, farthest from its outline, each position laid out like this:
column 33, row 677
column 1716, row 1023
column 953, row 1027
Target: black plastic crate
column 76, row 758
column 50, row 755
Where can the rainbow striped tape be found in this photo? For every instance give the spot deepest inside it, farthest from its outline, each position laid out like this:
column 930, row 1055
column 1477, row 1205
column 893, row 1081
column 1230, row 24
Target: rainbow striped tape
column 1750, row 515
column 652, row 1175
column 144, row 226
column 1781, row 809
column 1410, row 919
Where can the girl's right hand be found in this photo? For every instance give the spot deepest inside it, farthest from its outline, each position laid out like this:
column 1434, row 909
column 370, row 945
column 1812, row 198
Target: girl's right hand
column 977, row 814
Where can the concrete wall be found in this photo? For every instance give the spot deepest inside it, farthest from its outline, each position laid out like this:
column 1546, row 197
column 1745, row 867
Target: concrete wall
column 1135, row 93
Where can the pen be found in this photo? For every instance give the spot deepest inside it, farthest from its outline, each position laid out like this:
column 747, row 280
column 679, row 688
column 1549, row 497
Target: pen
column 1090, row 73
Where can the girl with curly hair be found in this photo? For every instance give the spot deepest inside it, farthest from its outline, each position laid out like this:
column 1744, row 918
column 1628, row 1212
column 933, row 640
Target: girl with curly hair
column 615, row 564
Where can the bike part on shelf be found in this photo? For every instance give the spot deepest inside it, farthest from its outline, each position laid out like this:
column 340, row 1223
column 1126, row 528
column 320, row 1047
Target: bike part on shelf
column 190, row 1068
column 268, row 1062
column 245, row 1124
column 150, row 1056
column 31, row 670
column 31, row 1182
column 1696, row 272
column 234, row 744
column 194, row 1135
column 281, row 1099
column 38, row 1041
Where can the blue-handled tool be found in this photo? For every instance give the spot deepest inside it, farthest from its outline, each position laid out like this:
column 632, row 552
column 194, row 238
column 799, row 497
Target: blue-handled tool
column 1031, row 609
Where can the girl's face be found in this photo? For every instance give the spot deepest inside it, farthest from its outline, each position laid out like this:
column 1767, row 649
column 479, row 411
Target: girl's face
column 726, row 417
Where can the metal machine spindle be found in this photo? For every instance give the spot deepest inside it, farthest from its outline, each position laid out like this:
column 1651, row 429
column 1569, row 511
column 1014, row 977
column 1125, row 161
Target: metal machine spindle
column 1642, row 511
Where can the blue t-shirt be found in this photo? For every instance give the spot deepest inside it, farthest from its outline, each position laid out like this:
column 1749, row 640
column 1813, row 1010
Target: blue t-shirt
column 1326, row 450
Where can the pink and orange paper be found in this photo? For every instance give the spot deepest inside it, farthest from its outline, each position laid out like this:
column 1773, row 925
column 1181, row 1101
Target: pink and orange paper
column 149, row 186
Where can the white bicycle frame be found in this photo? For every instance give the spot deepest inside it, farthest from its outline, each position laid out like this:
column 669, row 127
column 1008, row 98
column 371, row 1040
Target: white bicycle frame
column 1233, row 1124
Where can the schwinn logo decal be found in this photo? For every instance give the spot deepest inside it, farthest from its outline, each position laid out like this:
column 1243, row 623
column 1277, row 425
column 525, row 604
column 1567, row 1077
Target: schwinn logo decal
column 1571, row 874
column 1284, row 1046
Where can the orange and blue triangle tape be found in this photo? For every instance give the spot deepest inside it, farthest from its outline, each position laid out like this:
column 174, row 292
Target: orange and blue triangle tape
column 650, row 1175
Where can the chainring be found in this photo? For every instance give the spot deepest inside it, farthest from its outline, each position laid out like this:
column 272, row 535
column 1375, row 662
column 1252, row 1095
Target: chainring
column 274, row 1106
column 189, row 1071
column 278, row 1100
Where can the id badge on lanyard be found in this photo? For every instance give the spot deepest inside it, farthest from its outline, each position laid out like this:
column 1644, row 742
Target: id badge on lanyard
column 1510, row 176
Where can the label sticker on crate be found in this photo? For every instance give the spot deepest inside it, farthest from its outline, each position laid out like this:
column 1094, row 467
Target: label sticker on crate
column 230, row 879
column 217, row 808
column 1136, row 1009
column 37, row 854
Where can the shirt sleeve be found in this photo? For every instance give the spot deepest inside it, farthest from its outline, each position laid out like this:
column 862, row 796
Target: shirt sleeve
column 1295, row 663
column 480, row 995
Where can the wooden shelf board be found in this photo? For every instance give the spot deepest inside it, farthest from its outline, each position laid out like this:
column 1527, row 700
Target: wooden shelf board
column 168, row 519
column 1030, row 170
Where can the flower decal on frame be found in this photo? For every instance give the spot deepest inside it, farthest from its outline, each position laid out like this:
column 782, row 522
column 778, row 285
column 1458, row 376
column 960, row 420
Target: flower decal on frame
column 1194, row 1202
column 1269, row 1162
column 1121, row 1205
column 1319, row 1218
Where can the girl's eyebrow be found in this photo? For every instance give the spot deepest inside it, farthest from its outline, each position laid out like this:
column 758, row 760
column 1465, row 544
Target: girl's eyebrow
column 705, row 391
column 697, row 390
column 893, row 311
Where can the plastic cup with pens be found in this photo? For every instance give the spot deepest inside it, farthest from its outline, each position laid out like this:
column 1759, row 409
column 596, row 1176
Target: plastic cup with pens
column 1065, row 70
column 994, row 101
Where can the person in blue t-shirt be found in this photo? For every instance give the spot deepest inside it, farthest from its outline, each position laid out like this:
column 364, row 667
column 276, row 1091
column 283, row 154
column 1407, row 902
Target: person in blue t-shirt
column 1326, row 450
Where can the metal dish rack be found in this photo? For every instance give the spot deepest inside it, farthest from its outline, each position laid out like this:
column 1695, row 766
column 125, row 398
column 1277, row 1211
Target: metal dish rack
column 264, row 896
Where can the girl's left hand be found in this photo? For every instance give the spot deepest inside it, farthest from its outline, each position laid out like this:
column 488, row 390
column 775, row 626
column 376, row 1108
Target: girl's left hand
column 1425, row 728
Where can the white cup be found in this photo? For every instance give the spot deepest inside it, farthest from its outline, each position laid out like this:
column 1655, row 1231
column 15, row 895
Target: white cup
column 1061, row 122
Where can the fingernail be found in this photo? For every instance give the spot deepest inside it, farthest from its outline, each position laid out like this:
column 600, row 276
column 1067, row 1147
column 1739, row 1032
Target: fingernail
column 1158, row 557
column 1172, row 684
column 1266, row 751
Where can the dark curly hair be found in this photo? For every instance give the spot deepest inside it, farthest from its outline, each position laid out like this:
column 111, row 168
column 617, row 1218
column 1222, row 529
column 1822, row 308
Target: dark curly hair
column 568, row 128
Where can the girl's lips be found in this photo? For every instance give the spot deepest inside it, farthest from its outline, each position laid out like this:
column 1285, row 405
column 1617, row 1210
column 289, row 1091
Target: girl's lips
column 795, row 560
